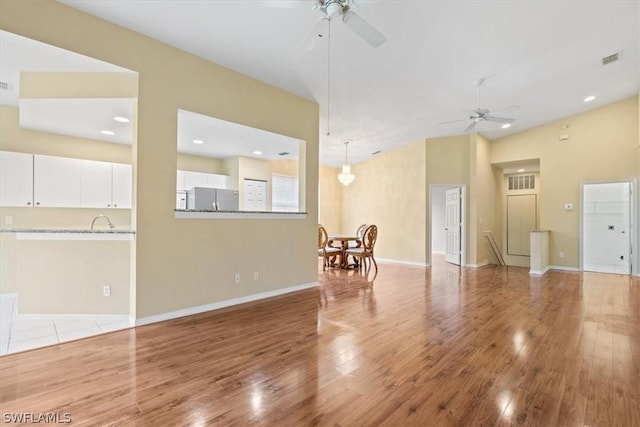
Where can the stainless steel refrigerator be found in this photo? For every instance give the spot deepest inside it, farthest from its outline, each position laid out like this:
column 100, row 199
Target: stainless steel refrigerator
column 212, row 199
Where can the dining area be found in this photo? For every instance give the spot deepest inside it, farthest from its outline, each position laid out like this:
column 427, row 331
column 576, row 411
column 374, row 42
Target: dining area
column 348, row 250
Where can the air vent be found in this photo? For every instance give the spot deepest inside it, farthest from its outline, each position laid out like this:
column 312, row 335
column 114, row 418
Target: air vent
column 6, row 86
column 376, row 152
column 522, row 182
column 284, row 153
column 611, row 58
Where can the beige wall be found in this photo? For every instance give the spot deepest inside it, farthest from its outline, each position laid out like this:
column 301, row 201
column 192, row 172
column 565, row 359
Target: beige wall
column 449, row 161
column 67, row 277
column 287, row 167
column 331, row 193
column 484, row 195
column 389, row 191
column 186, row 263
column 190, row 162
column 603, row 146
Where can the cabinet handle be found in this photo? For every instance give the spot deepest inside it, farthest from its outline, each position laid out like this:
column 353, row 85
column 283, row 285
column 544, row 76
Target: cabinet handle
column 115, row 206
column 37, row 203
column 108, row 206
column 28, row 203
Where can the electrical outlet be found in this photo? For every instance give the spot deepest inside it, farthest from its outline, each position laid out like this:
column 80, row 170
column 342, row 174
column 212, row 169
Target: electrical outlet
column 106, row 291
column 237, row 277
column 561, row 254
column 256, row 276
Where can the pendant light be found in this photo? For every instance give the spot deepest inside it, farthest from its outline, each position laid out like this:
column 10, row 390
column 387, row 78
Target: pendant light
column 346, row 177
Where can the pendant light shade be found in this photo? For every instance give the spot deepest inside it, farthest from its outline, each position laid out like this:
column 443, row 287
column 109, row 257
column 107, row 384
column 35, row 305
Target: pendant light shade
column 346, row 177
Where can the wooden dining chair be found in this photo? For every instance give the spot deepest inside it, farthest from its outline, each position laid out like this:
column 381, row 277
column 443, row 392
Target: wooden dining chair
column 325, row 251
column 365, row 251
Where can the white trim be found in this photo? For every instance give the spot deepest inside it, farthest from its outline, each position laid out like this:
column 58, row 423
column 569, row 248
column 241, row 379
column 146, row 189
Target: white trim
column 563, row 268
column 73, row 236
column 480, row 264
column 221, row 304
column 73, row 316
column 239, row 215
column 539, row 272
column 395, row 261
column 438, row 252
column 9, row 295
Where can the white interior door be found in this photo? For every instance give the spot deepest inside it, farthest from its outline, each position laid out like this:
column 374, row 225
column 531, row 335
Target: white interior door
column 606, row 227
column 452, row 226
column 255, row 195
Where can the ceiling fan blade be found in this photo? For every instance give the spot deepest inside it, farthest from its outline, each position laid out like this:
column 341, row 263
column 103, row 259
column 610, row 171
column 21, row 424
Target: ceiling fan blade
column 490, row 118
column 363, row 29
column 509, row 109
column 319, row 32
column 471, row 126
column 453, row 121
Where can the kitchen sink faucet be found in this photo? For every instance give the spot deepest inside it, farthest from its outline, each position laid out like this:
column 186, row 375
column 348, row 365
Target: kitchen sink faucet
column 93, row 221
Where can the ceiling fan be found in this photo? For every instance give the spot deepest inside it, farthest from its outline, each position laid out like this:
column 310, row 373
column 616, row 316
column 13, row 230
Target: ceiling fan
column 484, row 115
column 333, row 9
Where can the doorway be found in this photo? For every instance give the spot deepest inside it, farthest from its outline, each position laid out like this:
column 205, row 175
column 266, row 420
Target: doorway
column 447, row 207
column 607, row 224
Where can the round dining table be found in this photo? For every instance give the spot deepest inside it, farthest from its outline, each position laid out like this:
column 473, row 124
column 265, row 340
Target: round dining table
column 344, row 245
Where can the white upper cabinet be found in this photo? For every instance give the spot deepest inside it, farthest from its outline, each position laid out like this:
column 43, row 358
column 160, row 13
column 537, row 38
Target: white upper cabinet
column 186, row 180
column 57, row 181
column 16, row 179
column 49, row 181
column 95, row 184
column 121, row 184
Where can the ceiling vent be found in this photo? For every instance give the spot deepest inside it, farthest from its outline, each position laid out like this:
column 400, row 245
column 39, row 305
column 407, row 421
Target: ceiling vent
column 6, row 86
column 284, row 153
column 377, row 152
column 611, row 58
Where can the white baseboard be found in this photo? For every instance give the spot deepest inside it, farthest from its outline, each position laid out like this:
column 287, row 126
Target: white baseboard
column 563, row 268
column 438, row 252
column 221, row 304
column 74, row 316
column 480, row 264
column 539, row 272
column 395, row 261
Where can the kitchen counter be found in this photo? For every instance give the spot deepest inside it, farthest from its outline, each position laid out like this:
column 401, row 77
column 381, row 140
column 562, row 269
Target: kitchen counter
column 70, row 233
column 209, row 214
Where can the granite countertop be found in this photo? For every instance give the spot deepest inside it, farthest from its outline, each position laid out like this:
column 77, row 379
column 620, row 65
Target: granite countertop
column 239, row 212
column 68, row 230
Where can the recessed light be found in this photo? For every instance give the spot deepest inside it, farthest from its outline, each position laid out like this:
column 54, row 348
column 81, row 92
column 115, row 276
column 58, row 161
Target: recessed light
column 589, row 98
column 257, row 153
column 198, row 141
column 121, row 119
column 506, row 126
column 107, row 132
column 521, row 170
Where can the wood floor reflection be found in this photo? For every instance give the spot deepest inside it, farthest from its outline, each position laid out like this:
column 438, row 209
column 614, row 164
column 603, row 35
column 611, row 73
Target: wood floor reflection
column 442, row 346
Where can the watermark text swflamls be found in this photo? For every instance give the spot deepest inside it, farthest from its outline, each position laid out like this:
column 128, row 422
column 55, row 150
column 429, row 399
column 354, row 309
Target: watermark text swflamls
column 35, row 418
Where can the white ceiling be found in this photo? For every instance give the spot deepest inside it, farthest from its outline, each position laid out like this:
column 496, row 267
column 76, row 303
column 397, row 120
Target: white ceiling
column 544, row 56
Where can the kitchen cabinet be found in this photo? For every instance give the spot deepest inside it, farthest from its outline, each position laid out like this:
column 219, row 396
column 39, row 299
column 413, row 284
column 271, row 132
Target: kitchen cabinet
column 56, row 181
column 95, row 184
column 121, row 184
column 105, row 185
column 16, row 179
column 50, row 181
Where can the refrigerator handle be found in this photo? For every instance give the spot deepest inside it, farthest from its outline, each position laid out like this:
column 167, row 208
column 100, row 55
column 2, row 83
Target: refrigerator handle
column 217, row 206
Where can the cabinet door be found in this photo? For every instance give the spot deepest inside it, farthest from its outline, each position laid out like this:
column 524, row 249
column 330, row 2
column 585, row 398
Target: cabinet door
column 16, row 179
column 56, row 181
column 217, row 181
column 195, row 179
column 95, row 184
column 180, row 181
column 122, row 183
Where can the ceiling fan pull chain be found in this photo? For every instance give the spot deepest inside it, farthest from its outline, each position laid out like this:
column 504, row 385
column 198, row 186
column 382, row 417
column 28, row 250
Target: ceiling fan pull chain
column 329, row 80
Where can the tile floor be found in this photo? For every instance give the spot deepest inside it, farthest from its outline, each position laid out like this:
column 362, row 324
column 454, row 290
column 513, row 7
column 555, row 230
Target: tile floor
column 26, row 332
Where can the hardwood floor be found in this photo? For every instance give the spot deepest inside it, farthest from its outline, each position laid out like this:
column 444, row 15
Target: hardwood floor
column 440, row 347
